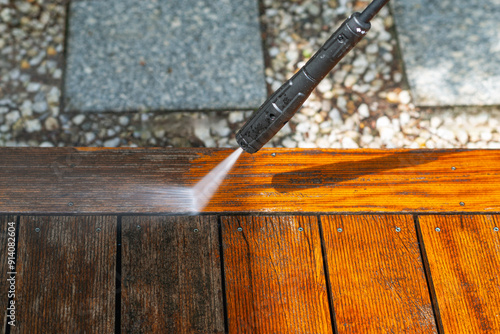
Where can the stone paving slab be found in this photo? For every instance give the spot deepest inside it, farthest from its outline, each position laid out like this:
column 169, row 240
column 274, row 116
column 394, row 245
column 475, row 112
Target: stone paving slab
column 451, row 50
column 127, row 55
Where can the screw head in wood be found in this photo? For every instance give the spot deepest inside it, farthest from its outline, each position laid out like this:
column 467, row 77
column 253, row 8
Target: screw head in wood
column 240, row 229
column 37, row 229
column 195, row 230
column 495, row 229
column 453, row 168
column 398, row 229
column 70, row 203
column 273, row 154
column 98, row 229
column 438, row 229
column 301, row 229
column 339, row 230
column 138, row 227
column 462, row 203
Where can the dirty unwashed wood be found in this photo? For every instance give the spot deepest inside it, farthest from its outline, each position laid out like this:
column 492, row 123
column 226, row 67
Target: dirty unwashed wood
column 274, row 275
column 66, row 275
column 464, row 261
column 69, row 180
column 376, row 275
column 171, row 275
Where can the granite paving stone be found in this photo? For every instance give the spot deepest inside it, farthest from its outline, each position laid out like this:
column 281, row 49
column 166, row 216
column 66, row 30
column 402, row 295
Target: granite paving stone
column 451, row 50
column 133, row 55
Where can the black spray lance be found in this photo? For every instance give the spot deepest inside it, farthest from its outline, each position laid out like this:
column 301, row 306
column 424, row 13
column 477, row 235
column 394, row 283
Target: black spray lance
column 284, row 102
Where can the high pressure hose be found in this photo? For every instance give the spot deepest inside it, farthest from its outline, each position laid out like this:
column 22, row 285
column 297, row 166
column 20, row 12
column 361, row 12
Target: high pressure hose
column 284, row 102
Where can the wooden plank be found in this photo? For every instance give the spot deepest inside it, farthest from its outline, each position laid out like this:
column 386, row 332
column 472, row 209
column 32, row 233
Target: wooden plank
column 464, row 262
column 66, row 275
column 83, row 181
column 171, row 275
column 275, row 281
column 7, row 240
column 376, row 274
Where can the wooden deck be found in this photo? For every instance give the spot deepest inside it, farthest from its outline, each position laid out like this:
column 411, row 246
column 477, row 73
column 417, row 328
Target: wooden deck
column 303, row 241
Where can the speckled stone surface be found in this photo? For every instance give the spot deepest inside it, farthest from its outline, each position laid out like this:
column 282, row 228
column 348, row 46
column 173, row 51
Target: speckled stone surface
column 451, row 50
column 132, row 55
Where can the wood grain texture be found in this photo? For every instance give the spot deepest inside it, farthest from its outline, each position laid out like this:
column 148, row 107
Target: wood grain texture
column 171, row 275
column 464, row 262
column 376, row 274
column 66, row 275
column 275, row 281
column 69, row 180
column 5, row 239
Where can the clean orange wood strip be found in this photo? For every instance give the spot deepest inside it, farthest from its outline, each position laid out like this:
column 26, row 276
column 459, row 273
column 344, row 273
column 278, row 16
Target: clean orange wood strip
column 464, row 260
column 171, row 275
column 66, row 275
column 7, row 228
column 274, row 274
column 68, row 180
column 376, row 274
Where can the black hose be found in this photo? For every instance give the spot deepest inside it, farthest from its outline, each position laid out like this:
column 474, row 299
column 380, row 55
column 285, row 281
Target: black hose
column 372, row 9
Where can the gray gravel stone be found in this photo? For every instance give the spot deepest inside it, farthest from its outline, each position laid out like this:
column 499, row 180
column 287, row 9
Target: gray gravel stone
column 12, row 117
column 114, row 142
column 168, row 55
column 123, row 120
column 32, row 125
column 78, row 119
column 33, row 87
column 40, row 107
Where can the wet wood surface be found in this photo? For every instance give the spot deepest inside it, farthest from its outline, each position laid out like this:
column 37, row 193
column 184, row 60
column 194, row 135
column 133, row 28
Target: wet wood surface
column 66, row 275
column 171, row 275
column 274, row 275
column 376, row 275
column 463, row 254
column 126, row 181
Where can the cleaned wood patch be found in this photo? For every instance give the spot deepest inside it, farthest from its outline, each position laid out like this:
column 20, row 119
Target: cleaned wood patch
column 274, row 275
column 377, row 279
column 7, row 241
column 464, row 261
column 171, row 275
column 69, row 180
column 66, row 275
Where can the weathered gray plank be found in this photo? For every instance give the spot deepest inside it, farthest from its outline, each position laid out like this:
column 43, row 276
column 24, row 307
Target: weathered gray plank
column 66, row 275
column 171, row 276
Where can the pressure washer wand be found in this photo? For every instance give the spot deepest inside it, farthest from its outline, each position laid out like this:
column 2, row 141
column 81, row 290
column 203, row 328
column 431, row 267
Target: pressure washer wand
column 284, row 102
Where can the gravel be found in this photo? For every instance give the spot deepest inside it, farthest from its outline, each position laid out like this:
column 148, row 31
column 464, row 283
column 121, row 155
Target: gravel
column 365, row 102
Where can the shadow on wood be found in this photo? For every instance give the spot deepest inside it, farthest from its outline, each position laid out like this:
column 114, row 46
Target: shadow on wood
column 331, row 175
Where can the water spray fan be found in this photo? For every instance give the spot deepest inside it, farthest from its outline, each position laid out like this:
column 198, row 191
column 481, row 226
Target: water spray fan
column 287, row 100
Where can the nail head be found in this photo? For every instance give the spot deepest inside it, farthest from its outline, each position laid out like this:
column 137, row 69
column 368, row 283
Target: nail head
column 98, row 229
column 301, row 229
column 70, row 204
column 462, row 203
column 339, row 230
column 138, row 227
column 240, row 229
column 37, row 229
column 273, row 154
column 398, row 229
column 438, row 229
column 196, row 230
column 495, row 229
column 453, row 168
